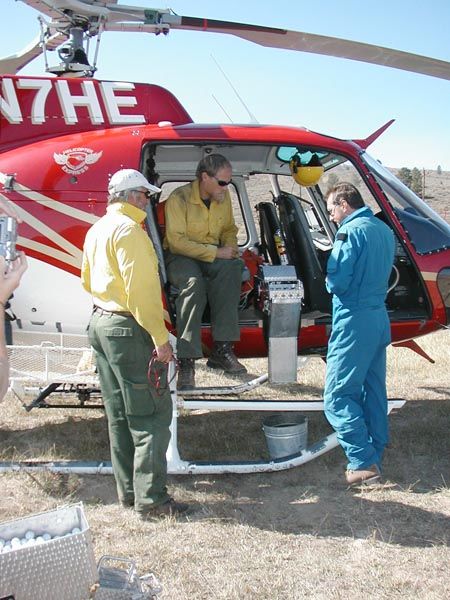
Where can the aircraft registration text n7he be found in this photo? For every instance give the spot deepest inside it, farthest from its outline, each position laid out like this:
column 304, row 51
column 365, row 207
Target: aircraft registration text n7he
column 15, row 112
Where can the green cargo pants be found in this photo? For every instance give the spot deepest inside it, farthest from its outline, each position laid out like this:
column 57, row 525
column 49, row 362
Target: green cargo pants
column 199, row 282
column 138, row 415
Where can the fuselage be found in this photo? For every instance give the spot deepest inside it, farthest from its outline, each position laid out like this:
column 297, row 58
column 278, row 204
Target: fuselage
column 60, row 141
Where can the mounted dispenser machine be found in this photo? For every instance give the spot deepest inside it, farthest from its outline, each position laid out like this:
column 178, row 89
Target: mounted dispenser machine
column 279, row 299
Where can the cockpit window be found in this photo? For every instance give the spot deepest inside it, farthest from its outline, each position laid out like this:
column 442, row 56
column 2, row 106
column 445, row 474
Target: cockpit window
column 426, row 230
column 327, row 159
column 345, row 171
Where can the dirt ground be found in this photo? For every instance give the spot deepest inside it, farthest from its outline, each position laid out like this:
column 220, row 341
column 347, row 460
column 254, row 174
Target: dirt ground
column 294, row 534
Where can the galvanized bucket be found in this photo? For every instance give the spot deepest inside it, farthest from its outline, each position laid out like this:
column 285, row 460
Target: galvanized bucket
column 286, row 434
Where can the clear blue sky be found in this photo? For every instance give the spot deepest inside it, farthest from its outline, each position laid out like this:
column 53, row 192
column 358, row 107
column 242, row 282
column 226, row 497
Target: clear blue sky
column 341, row 98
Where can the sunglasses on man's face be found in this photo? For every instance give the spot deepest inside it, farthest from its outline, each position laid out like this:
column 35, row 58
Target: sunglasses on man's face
column 221, row 182
column 331, row 210
column 147, row 193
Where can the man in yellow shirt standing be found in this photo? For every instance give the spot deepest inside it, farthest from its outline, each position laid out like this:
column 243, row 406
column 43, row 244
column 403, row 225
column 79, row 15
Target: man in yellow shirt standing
column 202, row 261
column 120, row 271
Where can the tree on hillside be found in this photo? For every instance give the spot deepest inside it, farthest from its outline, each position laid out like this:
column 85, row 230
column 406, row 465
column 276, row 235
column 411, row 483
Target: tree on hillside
column 416, row 181
column 439, row 170
column 405, row 176
column 332, row 180
column 412, row 179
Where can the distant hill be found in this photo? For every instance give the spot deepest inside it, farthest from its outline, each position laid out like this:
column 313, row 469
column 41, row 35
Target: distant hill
column 437, row 191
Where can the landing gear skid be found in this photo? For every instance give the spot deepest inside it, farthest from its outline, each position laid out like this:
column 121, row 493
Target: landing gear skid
column 83, row 393
column 200, row 398
column 177, row 466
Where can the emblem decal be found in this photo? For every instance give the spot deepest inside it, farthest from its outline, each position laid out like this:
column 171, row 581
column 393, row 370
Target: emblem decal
column 76, row 160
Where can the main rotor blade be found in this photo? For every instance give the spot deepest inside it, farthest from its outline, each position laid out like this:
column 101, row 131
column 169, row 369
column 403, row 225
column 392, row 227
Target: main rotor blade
column 55, row 8
column 15, row 62
column 317, row 44
column 117, row 17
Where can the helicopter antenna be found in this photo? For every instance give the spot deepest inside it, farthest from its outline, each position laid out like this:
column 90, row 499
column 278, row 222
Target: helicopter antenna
column 253, row 119
column 215, row 99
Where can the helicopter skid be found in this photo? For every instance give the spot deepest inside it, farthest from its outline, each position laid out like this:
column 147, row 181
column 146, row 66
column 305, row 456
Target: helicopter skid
column 177, row 466
column 225, row 390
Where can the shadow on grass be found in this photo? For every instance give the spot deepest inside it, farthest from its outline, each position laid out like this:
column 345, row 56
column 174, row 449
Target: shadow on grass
column 74, row 438
column 331, row 513
column 314, row 500
column 445, row 392
column 418, row 455
column 308, row 500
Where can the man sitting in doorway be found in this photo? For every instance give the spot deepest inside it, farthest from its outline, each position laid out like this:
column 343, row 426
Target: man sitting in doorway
column 202, row 260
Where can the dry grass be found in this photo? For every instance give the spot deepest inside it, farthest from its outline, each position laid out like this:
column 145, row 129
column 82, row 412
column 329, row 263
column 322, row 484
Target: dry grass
column 295, row 534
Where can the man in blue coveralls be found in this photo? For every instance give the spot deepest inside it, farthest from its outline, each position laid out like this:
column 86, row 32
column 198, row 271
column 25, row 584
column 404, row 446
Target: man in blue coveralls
column 358, row 271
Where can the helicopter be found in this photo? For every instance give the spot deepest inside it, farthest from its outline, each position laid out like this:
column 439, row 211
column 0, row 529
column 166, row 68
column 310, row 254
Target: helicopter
column 64, row 134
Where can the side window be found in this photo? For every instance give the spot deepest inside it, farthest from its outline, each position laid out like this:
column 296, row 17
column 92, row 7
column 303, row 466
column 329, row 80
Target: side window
column 167, row 189
column 259, row 189
column 342, row 172
column 348, row 173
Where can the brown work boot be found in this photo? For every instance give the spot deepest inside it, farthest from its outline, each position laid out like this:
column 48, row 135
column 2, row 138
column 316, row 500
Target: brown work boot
column 186, row 374
column 369, row 475
column 170, row 508
column 126, row 502
column 223, row 357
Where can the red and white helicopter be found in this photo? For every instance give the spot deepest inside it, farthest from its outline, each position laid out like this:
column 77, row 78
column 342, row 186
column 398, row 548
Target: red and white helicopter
column 62, row 136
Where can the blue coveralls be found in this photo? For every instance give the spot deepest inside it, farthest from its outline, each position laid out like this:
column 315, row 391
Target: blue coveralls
column 355, row 397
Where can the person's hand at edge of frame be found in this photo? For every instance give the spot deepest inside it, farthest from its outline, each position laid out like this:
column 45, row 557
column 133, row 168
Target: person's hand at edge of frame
column 7, row 209
column 10, row 276
column 164, row 353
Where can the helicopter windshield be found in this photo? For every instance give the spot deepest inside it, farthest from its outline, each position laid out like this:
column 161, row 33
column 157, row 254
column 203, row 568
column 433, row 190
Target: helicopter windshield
column 426, row 230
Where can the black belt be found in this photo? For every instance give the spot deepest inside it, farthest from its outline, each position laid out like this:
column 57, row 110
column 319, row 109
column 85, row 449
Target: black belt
column 102, row 311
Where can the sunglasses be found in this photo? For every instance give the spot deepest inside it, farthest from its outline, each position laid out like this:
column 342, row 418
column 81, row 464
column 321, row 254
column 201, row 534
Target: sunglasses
column 330, row 211
column 148, row 194
column 221, row 182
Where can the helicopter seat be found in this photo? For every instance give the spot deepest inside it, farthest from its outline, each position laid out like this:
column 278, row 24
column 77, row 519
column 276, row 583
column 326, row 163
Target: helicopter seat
column 161, row 218
column 269, row 225
column 302, row 253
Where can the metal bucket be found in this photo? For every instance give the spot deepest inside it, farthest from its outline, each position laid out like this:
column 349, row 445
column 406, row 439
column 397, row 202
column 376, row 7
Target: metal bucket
column 286, row 434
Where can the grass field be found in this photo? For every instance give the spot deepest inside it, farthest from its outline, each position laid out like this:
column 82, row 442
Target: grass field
column 294, row 534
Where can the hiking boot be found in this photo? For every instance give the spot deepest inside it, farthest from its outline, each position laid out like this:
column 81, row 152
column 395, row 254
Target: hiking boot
column 369, row 475
column 170, row 508
column 186, row 374
column 223, row 357
column 126, row 502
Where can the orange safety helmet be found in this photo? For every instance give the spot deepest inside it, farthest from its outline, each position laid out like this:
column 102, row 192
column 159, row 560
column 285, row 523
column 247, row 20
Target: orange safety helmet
column 306, row 175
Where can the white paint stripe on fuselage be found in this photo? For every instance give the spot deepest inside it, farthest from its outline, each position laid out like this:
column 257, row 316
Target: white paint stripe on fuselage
column 61, row 207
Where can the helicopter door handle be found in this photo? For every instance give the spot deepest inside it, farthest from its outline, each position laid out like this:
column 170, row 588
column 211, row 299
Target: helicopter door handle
column 396, row 280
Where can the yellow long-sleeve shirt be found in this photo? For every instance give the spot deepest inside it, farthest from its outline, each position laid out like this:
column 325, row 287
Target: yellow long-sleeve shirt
column 194, row 230
column 120, row 269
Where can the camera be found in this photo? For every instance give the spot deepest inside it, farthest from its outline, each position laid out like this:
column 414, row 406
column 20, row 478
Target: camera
column 8, row 237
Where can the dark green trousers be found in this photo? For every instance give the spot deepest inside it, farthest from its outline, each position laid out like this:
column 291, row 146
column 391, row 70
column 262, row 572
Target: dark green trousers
column 138, row 414
column 199, row 282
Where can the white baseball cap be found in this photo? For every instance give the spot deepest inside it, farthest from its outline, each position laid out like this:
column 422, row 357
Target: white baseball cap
column 129, row 179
